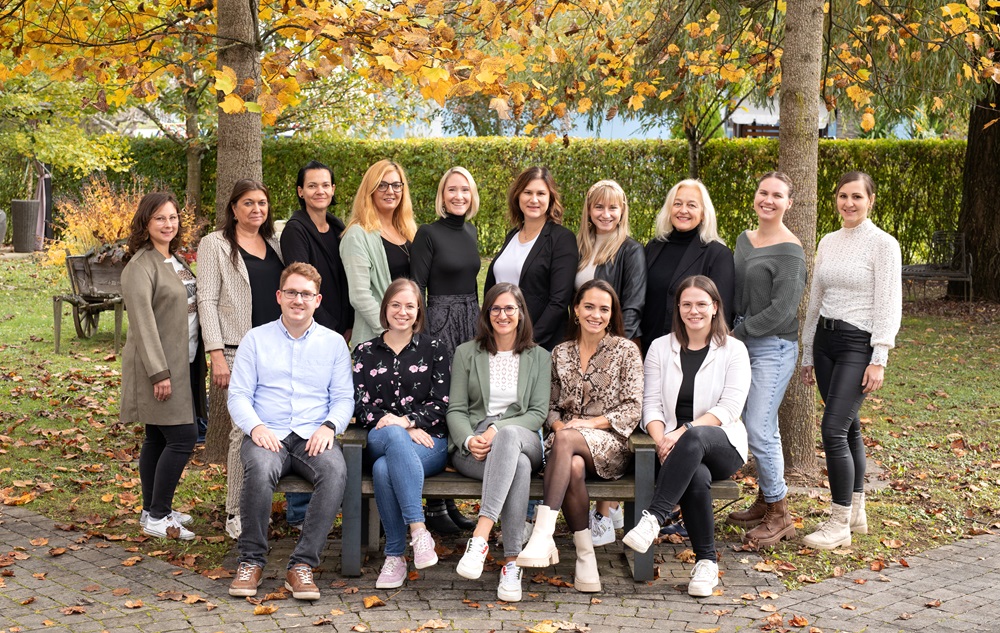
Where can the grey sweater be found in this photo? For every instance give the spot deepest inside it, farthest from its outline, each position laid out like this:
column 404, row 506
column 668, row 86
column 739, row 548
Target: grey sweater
column 769, row 285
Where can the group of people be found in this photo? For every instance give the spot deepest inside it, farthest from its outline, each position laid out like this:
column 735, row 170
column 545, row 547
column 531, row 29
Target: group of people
column 579, row 340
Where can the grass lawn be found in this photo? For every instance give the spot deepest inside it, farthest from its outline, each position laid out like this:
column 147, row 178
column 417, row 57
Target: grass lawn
column 932, row 431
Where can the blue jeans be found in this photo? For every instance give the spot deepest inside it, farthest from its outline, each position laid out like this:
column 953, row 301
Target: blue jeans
column 398, row 468
column 295, row 510
column 772, row 364
column 262, row 469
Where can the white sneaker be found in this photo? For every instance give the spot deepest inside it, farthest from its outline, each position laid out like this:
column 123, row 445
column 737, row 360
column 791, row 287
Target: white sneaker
column 471, row 565
column 510, row 583
column 602, row 529
column 704, row 578
column 234, row 527
column 617, row 517
column 180, row 517
column 159, row 527
column 528, row 527
column 641, row 537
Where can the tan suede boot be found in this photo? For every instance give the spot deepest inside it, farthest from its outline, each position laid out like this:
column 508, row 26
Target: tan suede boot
column 859, row 520
column 833, row 533
column 541, row 549
column 586, row 579
column 751, row 516
column 776, row 525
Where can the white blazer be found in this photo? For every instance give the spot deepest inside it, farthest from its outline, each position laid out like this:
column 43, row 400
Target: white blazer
column 720, row 386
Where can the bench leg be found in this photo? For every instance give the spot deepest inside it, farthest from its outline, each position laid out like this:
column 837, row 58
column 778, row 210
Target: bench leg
column 374, row 525
column 57, row 319
column 350, row 554
column 645, row 481
column 119, row 308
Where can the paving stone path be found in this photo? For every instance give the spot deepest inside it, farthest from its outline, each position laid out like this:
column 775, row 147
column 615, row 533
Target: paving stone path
column 42, row 590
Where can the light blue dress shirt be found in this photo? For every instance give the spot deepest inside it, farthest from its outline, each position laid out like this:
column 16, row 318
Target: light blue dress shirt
column 291, row 385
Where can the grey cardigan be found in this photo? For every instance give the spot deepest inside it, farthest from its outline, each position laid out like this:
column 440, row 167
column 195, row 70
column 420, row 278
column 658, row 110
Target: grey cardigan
column 367, row 279
column 470, row 391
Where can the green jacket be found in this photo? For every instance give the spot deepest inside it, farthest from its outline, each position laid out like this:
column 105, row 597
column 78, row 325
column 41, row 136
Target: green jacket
column 367, row 279
column 470, row 391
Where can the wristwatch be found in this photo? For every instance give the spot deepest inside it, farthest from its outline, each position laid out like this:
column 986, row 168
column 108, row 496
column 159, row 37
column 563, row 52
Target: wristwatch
column 688, row 425
column 330, row 425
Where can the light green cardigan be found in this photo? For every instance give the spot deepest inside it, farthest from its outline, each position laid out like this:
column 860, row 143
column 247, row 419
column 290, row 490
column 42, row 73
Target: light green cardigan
column 367, row 279
column 470, row 391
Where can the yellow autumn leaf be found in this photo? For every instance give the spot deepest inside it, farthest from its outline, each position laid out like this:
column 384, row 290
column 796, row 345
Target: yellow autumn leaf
column 387, row 62
column 231, row 104
column 635, row 102
column 867, row 121
column 584, row 105
column 225, row 80
column 502, row 108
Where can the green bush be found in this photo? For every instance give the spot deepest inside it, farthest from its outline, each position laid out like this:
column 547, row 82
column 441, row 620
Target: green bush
column 919, row 181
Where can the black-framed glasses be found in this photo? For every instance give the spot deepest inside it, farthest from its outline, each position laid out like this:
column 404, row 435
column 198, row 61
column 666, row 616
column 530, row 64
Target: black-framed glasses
column 306, row 296
column 507, row 310
column 384, row 186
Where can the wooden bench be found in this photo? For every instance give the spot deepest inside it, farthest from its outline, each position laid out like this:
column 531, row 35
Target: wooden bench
column 947, row 261
column 360, row 518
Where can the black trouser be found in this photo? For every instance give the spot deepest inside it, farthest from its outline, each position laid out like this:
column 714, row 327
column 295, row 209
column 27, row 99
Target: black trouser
column 701, row 455
column 840, row 358
column 165, row 452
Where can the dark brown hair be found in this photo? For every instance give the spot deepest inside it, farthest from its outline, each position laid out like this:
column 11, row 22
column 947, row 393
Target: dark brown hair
column 783, row 177
column 394, row 289
column 615, row 327
column 266, row 230
column 148, row 206
column 555, row 210
column 484, row 328
column 719, row 330
column 303, row 270
column 855, row 176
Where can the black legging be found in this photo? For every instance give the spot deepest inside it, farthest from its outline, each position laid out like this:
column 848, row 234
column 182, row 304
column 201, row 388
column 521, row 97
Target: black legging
column 567, row 465
column 840, row 358
column 165, row 452
column 701, row 455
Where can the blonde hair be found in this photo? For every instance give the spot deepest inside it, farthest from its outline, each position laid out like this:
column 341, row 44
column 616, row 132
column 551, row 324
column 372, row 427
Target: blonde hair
column 473, row 191
column 708, row 230
column 606, row 192
column 363, row 211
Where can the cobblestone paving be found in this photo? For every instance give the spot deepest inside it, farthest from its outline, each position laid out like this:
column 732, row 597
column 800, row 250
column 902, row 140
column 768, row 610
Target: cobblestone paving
column 965, row 577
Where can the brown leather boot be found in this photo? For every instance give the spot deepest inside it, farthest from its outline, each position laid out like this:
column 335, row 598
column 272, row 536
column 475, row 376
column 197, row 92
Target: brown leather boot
column 776, row 525
column 752, row 516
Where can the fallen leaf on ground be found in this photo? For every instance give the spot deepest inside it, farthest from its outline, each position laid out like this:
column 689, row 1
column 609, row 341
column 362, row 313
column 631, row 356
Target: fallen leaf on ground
column 768, row 595
column 371, row 602
column 849, row 607
column 73, row 610
column 281, row 594
column 27, row 601
column 133, row 604
column 264, row 609
column 176, row 596
column 904, row 616
column 764, row 566
column 892, row 543
column 768, row 607
column 38, row 542
column 685, row 556
column 92, row 588
column 131, row 561
column 797, row 620
column 902, row 561
column 545, row 626
column 320, row 621
column 336, row 612
column 860, row 581
column 721, row 612
column 786, row 567
column 121, row 591
column 351, row 590
column 715, row 630
column 193, row 599
column 57, row 551
column 39, row 576
column 806, row 579
column 360, row 628
column 933, row 603
column 749, row 596
column 433, row 624
column 413, row 575
column 595, row 601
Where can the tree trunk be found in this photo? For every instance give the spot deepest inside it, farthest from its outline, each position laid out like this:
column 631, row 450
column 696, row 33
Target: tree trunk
column 194, row 148
column 694, row 150
column 798, row 157
column 239, row 156
column 980, row 215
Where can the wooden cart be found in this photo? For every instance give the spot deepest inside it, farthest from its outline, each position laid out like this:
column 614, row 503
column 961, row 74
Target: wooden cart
column 96, row 287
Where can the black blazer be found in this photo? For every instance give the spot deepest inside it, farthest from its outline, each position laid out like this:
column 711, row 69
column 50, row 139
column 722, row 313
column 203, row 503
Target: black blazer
column 301, row 241
column 547, row 280
column 627, row 275
column 714, row 260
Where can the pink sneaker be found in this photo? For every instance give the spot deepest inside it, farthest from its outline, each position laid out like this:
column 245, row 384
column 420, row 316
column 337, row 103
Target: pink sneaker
column 423, row 549
column 393, row 573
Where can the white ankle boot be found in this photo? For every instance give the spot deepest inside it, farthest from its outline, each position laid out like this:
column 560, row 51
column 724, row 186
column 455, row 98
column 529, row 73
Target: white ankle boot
column 586, row 579
column 833, row 533
column 859, row 520
column 541, row 549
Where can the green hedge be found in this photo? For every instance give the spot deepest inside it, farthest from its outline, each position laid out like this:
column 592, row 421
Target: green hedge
column 919, row 181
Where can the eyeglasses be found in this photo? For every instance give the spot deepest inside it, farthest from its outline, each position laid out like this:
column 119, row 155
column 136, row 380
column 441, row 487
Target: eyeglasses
column 701, row 306
column 508, row 310
column 171, row 219
column 384, row 186
column 306, row 296
column 409, row 307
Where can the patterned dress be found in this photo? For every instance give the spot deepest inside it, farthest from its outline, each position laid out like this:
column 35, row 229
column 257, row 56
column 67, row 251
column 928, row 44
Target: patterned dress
column 611, row 386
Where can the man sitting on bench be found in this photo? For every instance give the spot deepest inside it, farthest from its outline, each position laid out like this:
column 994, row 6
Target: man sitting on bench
column 291, row 392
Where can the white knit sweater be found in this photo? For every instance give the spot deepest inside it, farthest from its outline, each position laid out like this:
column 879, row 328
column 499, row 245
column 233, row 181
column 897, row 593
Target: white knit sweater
column 857, row 279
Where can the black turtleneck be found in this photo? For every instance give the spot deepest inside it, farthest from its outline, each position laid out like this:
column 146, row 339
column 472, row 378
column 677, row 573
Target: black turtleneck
column 658, row 312
column 445, row 257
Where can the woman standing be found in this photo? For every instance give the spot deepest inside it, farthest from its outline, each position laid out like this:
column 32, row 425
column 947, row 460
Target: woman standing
column 312, row 236
column 499, row 399
column 595, row 404
column 445, row 261
column 855, row 307
column 687, row 243
column 538, row 255
column 240, row 268
column 697, row 379
column 375, row 248
column 770, row 279
column 162, row 354
column 607, row 252
column 401, row 381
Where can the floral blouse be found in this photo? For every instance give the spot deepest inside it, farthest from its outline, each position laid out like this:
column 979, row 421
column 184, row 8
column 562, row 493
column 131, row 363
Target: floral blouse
column 612, row 386
column 413, row 383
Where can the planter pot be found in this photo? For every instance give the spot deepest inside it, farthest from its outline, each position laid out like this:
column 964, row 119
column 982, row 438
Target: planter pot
column 24, row 219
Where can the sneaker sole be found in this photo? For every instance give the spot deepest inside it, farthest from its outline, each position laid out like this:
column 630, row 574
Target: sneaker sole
column 606, row 541
column 587, row 587
column 508, row 597
column 470, row 573
column 703, row 595
column 636, row 544
column 303, row 595
column 427, row 563
column 389, row 585
column 179, row 538
column 245, row 593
